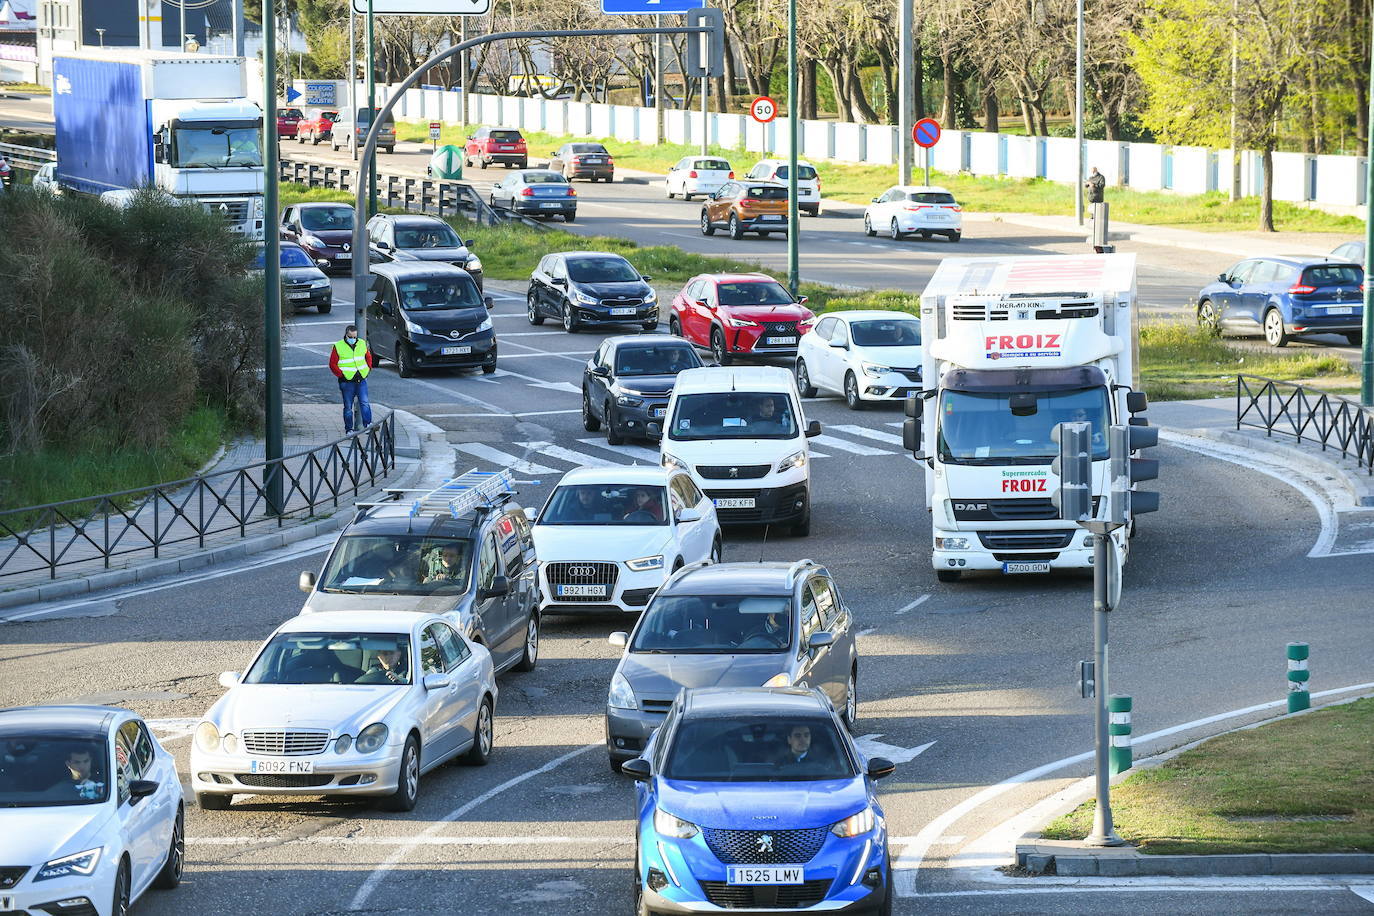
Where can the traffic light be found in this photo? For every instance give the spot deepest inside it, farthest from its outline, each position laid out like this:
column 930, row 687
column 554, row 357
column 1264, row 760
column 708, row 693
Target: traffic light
column 1074, row 466
column 911, row 426
column 706, row 51
column 1124, row 502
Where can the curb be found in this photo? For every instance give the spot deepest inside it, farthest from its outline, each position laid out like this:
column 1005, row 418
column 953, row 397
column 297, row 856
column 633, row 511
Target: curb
column 435, row 460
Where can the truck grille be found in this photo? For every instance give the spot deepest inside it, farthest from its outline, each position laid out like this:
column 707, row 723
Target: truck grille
column 1026, row 540
column 765, row 847
column 285, row 742
column 582, row 574
column 1008, row 510
column 781, row 896
column 733, row 471
column 233, row 211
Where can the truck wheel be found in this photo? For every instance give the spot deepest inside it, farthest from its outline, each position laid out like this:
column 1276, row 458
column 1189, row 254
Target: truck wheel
column 947, row 575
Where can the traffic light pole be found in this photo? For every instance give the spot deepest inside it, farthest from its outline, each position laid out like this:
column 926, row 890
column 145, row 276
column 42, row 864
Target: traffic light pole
column 1103, row 832
column 793, row 119
column 273, row 444
column 372, row 113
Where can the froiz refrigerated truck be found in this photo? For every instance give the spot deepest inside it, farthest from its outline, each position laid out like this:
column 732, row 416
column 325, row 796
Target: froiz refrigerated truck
column 1012, row 347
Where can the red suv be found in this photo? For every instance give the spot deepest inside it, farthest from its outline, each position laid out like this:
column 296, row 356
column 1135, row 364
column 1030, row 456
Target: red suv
column 496, row 144
column 317, row 125
column 740, row 315
column 288, row 120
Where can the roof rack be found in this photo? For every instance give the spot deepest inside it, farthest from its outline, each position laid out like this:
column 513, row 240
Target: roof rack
column 683, row 570
column 797, row 567
column 473, row 490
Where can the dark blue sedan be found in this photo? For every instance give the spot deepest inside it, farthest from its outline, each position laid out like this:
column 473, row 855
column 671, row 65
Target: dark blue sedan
column 756, row 799
column 1286, row 297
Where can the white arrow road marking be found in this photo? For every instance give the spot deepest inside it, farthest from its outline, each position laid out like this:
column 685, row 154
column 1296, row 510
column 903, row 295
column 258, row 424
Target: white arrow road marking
column 501, row 459
column 172, row 729
column 872, row 747
column 851, row 447
column 1366, row 892
column 538, row 382
column 637, row 452
column 867, row 433
column 918, row 602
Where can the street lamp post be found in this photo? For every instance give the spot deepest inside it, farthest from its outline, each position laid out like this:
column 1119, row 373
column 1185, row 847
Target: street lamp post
column 271, row 294
column 371, row 113
column 1078, row 121
column 793, row 214
column 1367, row 324
column 906, row 101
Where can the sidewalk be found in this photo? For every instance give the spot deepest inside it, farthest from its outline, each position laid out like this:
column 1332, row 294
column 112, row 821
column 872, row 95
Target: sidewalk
column 422, row 455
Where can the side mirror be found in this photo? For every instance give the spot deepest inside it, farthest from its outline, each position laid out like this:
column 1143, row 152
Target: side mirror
column 840, row 344
column 880, row 768
column 645, row 277
column 384, row 246
column 685, row 516
column 1223, row 278
column 321, row 263
column 306, row 583
column 499, row 587
column 1136, row 401
column 873, row 200
column 436, row 681
column 653, row 429
column 620, row 639
column 559, row 281
column 911, row 433
column 468, row 243
column 820, row 639
column 489, row 302
column 142, row 788
column 229, row 679
column 601, row 371
column 639, row 768
column 813, row 429
column 801, row 300
column 531, row 513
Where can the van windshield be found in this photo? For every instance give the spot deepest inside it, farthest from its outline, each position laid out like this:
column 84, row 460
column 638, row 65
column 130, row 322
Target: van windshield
column 733, row 415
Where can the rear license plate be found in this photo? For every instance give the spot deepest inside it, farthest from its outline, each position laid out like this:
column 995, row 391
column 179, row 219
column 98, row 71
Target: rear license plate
column 344, row 256
column 774, row 874
column 658, row 411
column 281, row 766
column 1026, row 567
column 552, row 206
column 734, row 502
column 456, row 351
column 780, row 340
column 624, row 311
column 1339, row 310
column 298, row 295
column 591, row 162
column 581, row 591
column 771, row 217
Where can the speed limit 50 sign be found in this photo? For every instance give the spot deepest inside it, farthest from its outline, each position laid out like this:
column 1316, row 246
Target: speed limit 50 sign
column 763, row 109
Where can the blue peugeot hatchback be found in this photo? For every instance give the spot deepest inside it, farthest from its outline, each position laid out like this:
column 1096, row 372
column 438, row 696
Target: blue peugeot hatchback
column 1286, row 297
column 756, row 799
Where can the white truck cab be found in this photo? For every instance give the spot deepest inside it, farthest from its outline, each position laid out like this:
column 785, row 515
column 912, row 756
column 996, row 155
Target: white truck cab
column 741, row 434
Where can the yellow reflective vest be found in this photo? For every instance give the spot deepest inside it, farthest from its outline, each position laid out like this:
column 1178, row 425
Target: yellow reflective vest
column 352, row 360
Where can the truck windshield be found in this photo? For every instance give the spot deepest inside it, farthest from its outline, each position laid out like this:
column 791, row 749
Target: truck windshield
column 216, row 147
column 979, row 427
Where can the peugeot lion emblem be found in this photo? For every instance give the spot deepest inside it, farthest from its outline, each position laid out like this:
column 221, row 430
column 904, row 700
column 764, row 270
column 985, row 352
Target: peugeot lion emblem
column 734, row 472
column 765, row 842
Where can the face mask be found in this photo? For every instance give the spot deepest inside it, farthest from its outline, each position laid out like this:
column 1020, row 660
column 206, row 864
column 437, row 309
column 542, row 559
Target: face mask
column 352, row 338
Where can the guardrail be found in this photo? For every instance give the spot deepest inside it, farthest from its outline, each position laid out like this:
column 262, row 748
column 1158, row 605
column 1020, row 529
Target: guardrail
column 98, row 528
column 1284, row 407
column 27, row 157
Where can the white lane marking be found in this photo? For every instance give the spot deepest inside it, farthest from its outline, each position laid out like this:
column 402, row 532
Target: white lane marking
column 466, row 398
column 545, row 413
column 530, row 334
column 380, row 872
column 1364, row 892
column 538, row 382
column 865, row 432
column 1158, row 886
column 169, row 730
column 816, row 454
column 868, row 631
column 872, row 747
column 501, row 459
column 908, row 864
column 431, row 416
column 546, row 355
column 1321, row 502
column 898, row 424
column 853, row 448
column 305, row 548
column 637, row 452
column 302, row 368
column 416, row 841
column 913, row 605
column 567, row 454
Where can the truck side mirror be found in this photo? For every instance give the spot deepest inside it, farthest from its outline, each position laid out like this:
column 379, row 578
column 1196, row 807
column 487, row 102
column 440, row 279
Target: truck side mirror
column 1136, row 401
column 159, row 149
column 913, row 406
column 911, row 436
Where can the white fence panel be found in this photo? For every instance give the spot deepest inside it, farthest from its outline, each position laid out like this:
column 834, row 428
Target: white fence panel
column 881, row 143
column 849, row 142
column 948, row 153
column 1147, row 166
column 1061, row 159
column 815, row 140
column 1340, row 180
column 1290, row 176
column 675, row 126
column 729, row 131
column 1105, row 156
column 601, row 120
column 984, row 154
column 1022, row 156
column 1192, row 170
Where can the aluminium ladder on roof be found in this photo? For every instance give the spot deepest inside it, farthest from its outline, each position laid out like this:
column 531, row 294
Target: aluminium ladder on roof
column 475, row 489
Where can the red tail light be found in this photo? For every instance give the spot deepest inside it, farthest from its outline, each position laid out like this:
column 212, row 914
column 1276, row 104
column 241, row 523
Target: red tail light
column 919, row 207
column 527, row 192
column 732, row 174
column 574, row 158
column 692, row 174
column 955, row 209
column 1300, row 289
column 610, row 159
column 572, row 192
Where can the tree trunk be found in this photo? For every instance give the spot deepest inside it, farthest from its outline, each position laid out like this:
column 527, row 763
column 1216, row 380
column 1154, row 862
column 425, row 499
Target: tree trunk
column 1266, row 214
column 834, row 70
column 854, row 85
column 950, row 90
column 808, row 89
column 725, row 86
column 894, row 107
column 1026, row 118
column 991, row 111
column 917, row 67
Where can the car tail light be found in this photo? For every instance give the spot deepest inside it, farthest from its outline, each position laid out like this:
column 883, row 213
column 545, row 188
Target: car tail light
column 919, row 207
column 955, row 208
column 609, row 160
column 527, row 192
column 1301, row 289
column 692, row 174
column 574, row 158
column 572, row 192
column 732, row 175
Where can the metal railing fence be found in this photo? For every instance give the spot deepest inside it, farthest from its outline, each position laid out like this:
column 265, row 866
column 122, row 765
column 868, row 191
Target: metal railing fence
column 1332, row 421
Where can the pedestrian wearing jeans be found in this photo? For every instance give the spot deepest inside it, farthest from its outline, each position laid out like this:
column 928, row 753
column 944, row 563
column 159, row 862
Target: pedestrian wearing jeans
column 351, row 361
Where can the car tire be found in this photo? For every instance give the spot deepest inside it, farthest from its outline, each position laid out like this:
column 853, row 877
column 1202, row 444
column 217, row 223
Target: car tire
column 333, row 146
column 482, row 163
column 532, row 310
column 674, row 327
column 894, row 232
column 590, row 422
column 885, row 909
column 868, row 227
column 688, row 197
column 947, row 575
column 119, row 901
column 407, row 780
column 613, row 436
column 650, row 326
column 716, row 551
column 1207, row 316
column 615, row 768
column 955, row 236
column 169, row 876
column 706, row 227
column 851, row 701
column 570, row 322
column 570, row 217
column 314, row 140
column 851, row 392
column 722, row 356
column 804, row 386
column 530, row 656
column 524, row 163
column 213, row 801
column 1274, row 333
column 923, row 235
column 668, row 189
column 483, row 736
column 1354, row 338
column 736, row 229
column 404, row 367
column 802, row 529
column 324, row 308
column 489, row 368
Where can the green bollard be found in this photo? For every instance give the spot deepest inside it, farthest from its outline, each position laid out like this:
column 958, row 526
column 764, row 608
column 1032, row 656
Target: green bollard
column 1119, row 727
column 1298, row 697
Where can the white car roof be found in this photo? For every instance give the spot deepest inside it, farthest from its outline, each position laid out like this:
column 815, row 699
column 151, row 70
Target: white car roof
column 865, row 314
column 732, row 378
column 646, row 474
column 784, row 162
column 356, row 622
column 927, row 188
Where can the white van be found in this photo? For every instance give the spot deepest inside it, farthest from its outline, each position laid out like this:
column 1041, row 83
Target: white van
column 808, row 181
column 741, row 434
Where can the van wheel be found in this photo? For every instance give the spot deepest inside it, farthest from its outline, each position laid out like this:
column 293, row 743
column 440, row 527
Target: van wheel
column 530, row 657
column 404, row 367
column 1274, row 333
column 802, row 528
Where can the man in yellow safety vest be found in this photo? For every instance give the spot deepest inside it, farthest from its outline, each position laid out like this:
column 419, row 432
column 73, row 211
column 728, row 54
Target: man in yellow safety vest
column 351, row 361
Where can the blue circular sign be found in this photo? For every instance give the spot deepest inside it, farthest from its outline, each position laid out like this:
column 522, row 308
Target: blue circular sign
column 926, row 132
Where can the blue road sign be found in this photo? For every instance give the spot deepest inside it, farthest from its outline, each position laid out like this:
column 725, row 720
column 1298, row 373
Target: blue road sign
column 292, row 94
column 649, row 7
column 926, row 132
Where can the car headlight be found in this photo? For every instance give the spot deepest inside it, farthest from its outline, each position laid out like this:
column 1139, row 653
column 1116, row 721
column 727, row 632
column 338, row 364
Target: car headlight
column 414, row 328
column 666, row 824
column 782, row 679
column 673, row 462
column 78, row 863
column 875, row 371
column 207, row 737
column 628, row 400
column 321, row 283
column 579, row 296
column 342, row 744
column 371, row 738
column 951, row 543
column 650, row 296
column 795, row 460
column 486, row 325
column 620, row 695
column 644, row 564
column 473, row 263
column 312, row 240
column 807, row 322
column 855, row 824
column 229, row 744
column 741, row 323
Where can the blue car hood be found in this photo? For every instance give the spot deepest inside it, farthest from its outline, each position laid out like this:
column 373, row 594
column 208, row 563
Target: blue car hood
column 763, row 805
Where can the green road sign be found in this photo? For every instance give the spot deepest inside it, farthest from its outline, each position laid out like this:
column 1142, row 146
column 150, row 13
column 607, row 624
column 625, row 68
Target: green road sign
column 447, row 162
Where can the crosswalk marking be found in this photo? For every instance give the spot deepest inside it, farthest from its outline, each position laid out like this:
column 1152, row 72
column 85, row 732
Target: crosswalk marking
column 867, row 433
column 853, row 448
column 501, row 459
column 637, row 452
column 567, row 454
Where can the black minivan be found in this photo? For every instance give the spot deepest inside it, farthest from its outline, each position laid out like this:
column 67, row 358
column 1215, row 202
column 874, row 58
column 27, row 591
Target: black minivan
column 429, row 316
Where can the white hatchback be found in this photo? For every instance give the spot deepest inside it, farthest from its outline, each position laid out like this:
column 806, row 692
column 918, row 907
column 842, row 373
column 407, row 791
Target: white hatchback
column 609, row 537
column 808, row 181
column 925, row 210
column 697, row 176
column 866, row 355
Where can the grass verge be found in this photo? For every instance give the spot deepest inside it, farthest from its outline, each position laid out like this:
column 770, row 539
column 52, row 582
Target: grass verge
column 1300, row 785
column 53, row 476
column 29, row 88
column 1181, row 361
column 860, row 183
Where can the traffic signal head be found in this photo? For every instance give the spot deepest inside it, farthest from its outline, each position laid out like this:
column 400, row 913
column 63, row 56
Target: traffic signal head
column 1123, row 500
column 1074, row 466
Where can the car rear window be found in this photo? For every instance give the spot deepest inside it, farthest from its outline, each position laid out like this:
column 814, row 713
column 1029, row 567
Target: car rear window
column 711, row 165
column 931, row 197
column 766, row 192
column 587, row 148
column 506, row 136
column 1332, row 275
column 544, row 178
column 804, row 173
